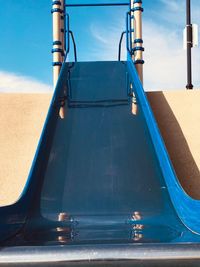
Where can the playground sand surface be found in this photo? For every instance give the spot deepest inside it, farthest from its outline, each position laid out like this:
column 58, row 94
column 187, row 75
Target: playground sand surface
column 22, row 117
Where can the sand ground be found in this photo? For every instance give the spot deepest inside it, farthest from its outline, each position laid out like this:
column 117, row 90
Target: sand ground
column 22, row 117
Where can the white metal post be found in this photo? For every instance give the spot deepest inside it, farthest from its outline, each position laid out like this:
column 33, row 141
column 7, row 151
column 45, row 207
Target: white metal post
column 136, row 8
column 63, row 28
column 57, row 50
column 132, row 28
column 62, row 32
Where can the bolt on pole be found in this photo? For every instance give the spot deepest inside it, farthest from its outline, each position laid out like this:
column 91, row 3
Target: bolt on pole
column 189, row 85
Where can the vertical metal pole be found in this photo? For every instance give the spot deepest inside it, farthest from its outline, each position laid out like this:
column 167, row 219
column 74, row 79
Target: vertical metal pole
column 138, row 42
column 62, row 28
column 132, row 47
column 57, row 42
column 189, row 45
column 64, row 15
column 62, row 38
column 132, row 29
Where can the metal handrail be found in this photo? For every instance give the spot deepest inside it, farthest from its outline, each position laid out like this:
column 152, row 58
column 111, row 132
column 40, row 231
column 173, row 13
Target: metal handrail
column 74, row 45
column 129, row 40
column 67, row 42
column 128, row 33
column 69, row 33
column 120, row 45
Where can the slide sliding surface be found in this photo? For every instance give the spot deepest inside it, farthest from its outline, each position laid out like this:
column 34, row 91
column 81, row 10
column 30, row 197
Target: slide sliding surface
column 97, row 188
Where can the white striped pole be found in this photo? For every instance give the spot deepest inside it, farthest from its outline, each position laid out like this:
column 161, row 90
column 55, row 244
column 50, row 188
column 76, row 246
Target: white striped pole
column 138, row 42
column 62, row 32
column 132, row 29
column 57, row 41
column 132, row 34
column 63, row 28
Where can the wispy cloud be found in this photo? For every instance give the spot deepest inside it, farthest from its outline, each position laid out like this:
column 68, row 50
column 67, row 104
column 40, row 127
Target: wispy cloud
column 11, row 83
column 165, row 59
column 106, row 41
column 99, row 34
column 173, row 12
column 174, row 5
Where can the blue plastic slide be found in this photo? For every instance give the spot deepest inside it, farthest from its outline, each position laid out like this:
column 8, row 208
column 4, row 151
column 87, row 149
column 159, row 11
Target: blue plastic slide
column 101, row 190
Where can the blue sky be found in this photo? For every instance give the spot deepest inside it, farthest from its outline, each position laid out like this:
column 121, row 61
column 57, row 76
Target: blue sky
column 26, row 41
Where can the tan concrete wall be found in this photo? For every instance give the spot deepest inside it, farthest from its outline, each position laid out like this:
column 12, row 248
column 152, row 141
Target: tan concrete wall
column 22, row 117
column 178, row 117
column 21, row 120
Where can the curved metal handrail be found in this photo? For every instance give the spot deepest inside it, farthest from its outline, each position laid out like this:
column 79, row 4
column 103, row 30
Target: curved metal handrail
column 120, row 45
column 129, row 40
column 69, row 33
column 128, row 33
column 74, row 45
